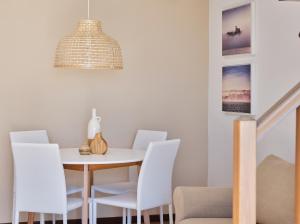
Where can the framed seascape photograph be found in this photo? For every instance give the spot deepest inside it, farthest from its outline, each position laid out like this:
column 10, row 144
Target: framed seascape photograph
column 238, row 30
column 237, row 88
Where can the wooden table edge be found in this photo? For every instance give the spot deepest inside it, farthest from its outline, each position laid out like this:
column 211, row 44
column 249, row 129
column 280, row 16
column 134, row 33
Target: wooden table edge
column 93, row 167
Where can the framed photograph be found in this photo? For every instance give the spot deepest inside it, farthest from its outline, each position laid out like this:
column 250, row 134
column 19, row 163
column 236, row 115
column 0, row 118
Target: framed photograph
column 237, row 88
column 238, row 30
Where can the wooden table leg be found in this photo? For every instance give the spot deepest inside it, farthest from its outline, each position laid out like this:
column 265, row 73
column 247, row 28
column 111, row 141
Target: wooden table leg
column 30, row 218
column 86, row 186
column 146, row 217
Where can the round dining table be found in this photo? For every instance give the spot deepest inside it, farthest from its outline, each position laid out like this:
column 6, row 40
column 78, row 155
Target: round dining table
column 114, row 158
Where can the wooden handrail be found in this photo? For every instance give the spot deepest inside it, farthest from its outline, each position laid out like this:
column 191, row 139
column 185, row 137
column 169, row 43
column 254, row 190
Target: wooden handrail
column 288, row 103
column 247, row 133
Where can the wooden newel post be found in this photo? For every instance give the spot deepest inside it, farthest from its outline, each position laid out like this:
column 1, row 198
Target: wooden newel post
column 297, row 167
column 244, row 172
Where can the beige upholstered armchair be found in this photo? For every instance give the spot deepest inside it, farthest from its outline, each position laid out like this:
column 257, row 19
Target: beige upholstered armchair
column 275, row 198
column 200, row 205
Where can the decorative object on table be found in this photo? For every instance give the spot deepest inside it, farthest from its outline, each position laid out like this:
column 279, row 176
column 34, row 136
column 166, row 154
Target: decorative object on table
column 237, row 89
column 98, row 145
column 238, row 30
column 85, row 149
column 89, row 48
column 96, row 142
column 93, row 126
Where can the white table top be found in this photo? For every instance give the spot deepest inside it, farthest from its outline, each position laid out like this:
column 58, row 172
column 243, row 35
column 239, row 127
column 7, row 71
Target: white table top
column 113, row 156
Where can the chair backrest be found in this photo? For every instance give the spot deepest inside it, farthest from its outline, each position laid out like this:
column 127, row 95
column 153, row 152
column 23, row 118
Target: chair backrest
column 155, row 180
column 36, row 136
column 141, row 142
column 39, row 136
column 144, row 137
column 39, row 178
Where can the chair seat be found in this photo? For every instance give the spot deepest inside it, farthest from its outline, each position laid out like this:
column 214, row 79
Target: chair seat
column 206, row 221
column 71, row 189
column 73, row 203
column 116, row 188
column 128, row 200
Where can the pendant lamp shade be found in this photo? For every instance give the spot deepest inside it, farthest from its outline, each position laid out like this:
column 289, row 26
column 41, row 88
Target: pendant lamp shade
column 89, row 48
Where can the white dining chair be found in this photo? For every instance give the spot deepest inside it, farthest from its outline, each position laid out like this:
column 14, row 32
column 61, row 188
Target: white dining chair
column 154, row 187
column 141, row 142
column 38, row 136
column 40, row 185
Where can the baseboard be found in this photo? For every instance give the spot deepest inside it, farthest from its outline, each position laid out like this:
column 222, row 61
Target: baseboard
column 109, row 220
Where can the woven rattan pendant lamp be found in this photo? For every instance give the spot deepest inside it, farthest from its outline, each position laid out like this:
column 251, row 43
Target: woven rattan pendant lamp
column 88, row 48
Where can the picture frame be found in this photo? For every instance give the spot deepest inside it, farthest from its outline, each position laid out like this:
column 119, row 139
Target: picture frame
column 238, row 88
column 238, row 29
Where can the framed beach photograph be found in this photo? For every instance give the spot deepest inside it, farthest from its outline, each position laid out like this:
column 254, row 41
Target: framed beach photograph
column 237, row 88
column 238, row 30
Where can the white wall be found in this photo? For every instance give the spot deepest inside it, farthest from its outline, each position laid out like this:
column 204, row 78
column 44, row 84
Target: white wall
column 277, row 70
column 163, row 85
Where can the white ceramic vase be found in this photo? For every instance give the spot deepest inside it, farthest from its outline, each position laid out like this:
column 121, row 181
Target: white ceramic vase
column 94, row 125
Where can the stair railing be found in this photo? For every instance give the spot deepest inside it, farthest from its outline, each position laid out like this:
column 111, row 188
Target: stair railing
column 247, row 132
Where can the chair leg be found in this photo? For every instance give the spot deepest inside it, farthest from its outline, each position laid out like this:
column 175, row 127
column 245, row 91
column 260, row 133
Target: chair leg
column 161, row 214
column 14, row 209
column 91, row 208
column 65, row 218
column 128, row 216
column 53, row 219
column 170, row 213
column 124, row 216
column 42, row 218
column 139, row 216
column 94, row 212
column 91, row 211
column 16, row 218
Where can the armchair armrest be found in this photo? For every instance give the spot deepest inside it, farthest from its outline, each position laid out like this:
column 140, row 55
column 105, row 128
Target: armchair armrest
column 202, row 202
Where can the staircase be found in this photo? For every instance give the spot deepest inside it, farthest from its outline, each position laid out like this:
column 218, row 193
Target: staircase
column 247, row 133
